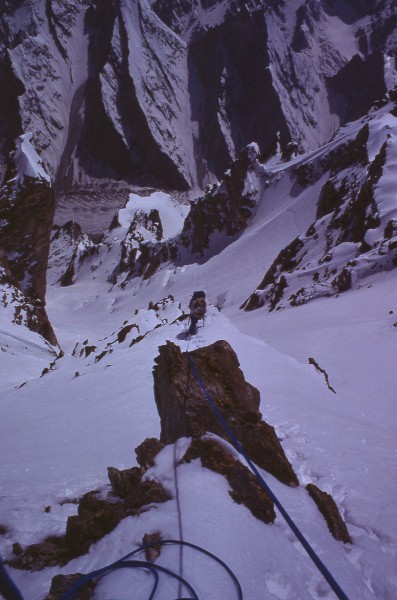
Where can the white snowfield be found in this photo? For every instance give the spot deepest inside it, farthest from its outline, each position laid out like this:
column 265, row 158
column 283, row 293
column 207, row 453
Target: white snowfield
column 59, row 432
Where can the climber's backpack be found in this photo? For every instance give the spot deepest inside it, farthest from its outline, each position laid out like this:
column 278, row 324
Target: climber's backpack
column 198, row 305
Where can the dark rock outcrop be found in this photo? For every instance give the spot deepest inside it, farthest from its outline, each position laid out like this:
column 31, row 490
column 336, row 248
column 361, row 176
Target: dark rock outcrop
column 245, row 488
column 147, row 452
column 328, row 508
column 153, row 551
column 184, row 410
column 60, row 584
column 26, row 214
column 128, row 484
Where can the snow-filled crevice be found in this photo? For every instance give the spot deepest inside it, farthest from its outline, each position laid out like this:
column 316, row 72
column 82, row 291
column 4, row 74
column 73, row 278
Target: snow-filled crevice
column 53, row 23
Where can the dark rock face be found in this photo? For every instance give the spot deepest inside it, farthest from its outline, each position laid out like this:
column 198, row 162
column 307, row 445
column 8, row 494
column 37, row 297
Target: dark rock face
column 10, row 119
column 245, row 488
column 26, row 213
column 234, row 70
column 328, row 508
column 355, row 88
column 230, row 91
column 184, row 410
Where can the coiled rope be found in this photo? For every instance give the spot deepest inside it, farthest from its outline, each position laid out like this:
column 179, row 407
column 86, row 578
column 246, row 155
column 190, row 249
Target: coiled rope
column 154, row 569
column 310, row 551
column 10, row 592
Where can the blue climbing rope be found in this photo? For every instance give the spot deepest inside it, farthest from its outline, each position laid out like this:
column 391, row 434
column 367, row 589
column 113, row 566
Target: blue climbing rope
column 153, row 568
column 10, row 592
column 8, row 589
column 71, row 594
column 313, row 555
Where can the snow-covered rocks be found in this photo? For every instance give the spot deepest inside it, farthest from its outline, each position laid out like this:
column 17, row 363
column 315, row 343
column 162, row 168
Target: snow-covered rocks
column 355, row 232
column 212, row 223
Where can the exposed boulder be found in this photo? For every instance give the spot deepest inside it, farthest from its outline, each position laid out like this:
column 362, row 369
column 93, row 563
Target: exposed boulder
column 60, row 584
column 328, row 508
column 130, row 486
column 97, row 516
column 184, row 410
column 153, row 552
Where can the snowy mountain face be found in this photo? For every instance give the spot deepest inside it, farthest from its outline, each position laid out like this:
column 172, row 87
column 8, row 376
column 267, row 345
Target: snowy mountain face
column 151, row 148
column 168, row 93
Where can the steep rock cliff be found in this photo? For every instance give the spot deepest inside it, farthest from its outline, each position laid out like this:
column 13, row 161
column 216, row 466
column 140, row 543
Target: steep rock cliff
column 184, row 410
column 26, row 211
column 167, row 93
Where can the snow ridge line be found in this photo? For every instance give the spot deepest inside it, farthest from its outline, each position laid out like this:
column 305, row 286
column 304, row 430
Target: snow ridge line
column 299, row 535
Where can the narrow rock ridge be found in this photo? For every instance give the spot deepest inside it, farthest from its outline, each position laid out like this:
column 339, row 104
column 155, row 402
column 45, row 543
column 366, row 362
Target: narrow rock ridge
column 184, row 410
column 312, row 361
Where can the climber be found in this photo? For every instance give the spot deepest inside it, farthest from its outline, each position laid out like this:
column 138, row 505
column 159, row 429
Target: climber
column 197, row 307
